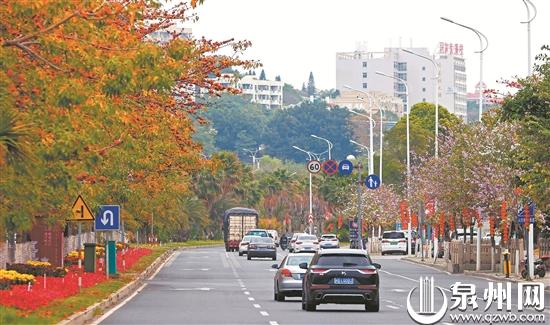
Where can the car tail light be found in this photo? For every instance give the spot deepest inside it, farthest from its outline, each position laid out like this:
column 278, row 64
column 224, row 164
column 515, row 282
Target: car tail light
column 334, row 239
column 318, row 270
column 252, row 246
column 271, row 246
column 298, row 242
column 368, row 271
column 403, row 241
column 286, row 273
column 316, row 242
column 385, row 241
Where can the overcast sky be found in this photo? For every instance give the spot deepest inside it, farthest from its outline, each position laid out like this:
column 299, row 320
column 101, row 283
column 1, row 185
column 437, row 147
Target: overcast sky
column 293, row 37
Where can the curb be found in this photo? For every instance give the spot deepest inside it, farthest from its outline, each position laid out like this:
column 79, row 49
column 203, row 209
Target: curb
column 115, row 298
column 473, row 273
column 439, row 267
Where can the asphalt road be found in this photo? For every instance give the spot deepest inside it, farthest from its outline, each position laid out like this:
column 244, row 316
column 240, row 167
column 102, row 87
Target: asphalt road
column 210, row 286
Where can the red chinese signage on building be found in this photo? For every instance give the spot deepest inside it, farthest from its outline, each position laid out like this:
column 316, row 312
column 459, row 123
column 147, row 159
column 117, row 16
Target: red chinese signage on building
column 451, row 48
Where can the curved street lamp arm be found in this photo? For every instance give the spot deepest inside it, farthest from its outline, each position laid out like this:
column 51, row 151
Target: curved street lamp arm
column 528, row 3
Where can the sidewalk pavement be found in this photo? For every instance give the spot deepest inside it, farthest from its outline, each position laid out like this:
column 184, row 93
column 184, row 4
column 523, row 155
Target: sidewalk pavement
column 442, row 265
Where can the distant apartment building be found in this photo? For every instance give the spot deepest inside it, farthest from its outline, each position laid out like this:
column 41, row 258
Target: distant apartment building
column 358, row 70
column 264, row 92
column 356, row 100
column 473, row 104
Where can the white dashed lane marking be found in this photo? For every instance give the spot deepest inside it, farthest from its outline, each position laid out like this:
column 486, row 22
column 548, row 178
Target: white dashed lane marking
column 257, row 306
column 246, row 293
column 264, row 313
column 251, row 299
column 392, row 307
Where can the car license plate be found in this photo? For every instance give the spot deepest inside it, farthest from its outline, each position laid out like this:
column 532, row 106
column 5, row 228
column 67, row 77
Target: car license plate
column 394, row 243
column 343, row 281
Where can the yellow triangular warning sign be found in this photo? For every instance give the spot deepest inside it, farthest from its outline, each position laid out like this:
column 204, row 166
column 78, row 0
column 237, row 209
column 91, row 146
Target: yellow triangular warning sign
column 80, row 211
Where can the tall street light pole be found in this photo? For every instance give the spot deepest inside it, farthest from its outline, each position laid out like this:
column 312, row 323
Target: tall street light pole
column 408, row 150
column 483, row 44
column 359, row 194
column 371, row 125
column 330, row 145
column 253, row 156
column 310, row 187
column 436, row 77
column 529, row 5
column 371, row 167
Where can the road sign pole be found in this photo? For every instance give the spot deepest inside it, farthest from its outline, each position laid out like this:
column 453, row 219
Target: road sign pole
column 79, row 244
column 530, row 253
column 359, row 207
column 310, row 205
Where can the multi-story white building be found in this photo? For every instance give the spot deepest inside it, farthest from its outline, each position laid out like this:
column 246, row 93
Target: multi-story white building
column 358, row 70
column 265, row 92
column 169, row 33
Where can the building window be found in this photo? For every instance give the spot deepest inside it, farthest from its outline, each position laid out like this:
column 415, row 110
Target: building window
column 424, row 89
column 365, row 85
column 423, row 78
column 423, row 99
column 364, row 74
column 364, row 64
column 400, row 66
column 423, row 68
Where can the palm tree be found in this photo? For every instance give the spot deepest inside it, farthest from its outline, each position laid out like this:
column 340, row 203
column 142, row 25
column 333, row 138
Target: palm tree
column 13, row 138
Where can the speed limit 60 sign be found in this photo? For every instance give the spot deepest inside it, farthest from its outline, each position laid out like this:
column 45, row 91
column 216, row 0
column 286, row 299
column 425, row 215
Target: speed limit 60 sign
column 313, row 166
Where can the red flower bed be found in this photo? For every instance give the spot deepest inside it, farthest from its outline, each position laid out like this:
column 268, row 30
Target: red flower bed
column 20, row 297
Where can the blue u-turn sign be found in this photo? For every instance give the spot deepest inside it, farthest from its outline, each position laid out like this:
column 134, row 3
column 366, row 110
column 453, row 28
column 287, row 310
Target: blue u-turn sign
column 108, row 218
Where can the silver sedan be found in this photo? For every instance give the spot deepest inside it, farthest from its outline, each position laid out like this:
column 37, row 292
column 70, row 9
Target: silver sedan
column 288, row 279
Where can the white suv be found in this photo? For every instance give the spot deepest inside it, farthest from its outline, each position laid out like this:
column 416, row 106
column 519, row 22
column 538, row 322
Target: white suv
column 394, row 241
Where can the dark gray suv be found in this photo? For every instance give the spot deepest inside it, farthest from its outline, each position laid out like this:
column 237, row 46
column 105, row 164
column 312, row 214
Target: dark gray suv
column 341, row 276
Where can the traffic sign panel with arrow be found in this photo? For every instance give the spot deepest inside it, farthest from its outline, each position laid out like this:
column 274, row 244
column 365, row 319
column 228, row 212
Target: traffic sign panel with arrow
column 108, row 218
column 80, row 211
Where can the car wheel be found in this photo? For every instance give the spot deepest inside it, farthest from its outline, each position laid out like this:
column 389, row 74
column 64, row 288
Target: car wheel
column 308, row 305
column 248, row 257
column 274, row 257
column 240, row 253
column 383, row 253
column 227, row 249
column 279, row 296
column 373, row 306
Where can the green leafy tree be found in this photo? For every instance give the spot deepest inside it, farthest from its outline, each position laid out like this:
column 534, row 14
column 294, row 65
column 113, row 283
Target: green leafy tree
column 311, row 85
column 530, row 107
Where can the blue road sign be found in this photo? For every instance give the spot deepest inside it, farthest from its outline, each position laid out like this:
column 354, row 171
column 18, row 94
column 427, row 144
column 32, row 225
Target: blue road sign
column 345, row 167
column 108, row 218
column 372, row 181
column 521, row 214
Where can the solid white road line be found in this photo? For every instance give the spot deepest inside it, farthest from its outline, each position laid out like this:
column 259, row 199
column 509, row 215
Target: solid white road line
column 264, row 313
column 160, row 267
column 110, row 312
column 392, row 307
column 407, row 278
column 257, row 306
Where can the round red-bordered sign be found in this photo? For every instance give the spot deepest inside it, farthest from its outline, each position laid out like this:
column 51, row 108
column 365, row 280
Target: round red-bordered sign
column 313, row 166
column 330, row 167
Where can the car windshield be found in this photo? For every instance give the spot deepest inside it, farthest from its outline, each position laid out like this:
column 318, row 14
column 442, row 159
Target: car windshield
column 393, row 235
column 260, row 233
column 247, row 238
column 341, row 260
column 328, row 236
column 265, row 240
column 296, row 260
column 307, row 237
